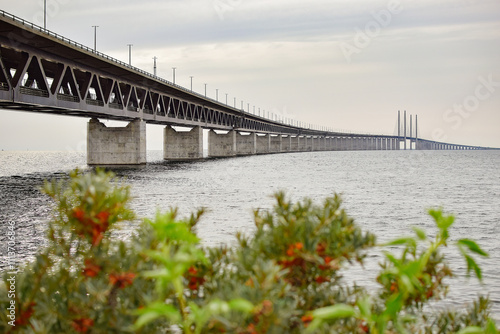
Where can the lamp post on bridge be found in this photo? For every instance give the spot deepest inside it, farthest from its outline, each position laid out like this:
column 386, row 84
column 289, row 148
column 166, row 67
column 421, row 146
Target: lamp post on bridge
column 205, row 90
column 130, row 54
column 226, row 99
column 154, row 66
column 45, row 14
column 95, row 37
column 173, row 69
column 191, row 82
column 217, row 94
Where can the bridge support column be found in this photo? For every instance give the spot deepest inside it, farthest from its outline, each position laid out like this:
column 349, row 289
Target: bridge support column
column 182, row 145
column 309, row 143
column 275, row 144
column 321, row 144
column 302, row 143
column 329, row 144
column 263, row 144
column 396, row 144
column 116, row 145
column 246, row 144
column 221, row 145
column 294, row 143
column 286, row 143
column 346, row 144
column 316, row 143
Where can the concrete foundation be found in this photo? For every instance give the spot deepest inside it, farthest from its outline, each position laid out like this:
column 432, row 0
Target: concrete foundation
column 309, row 143
column 275, row 144
column 286, row 143
column 221, row 145
column 301, row 143
column 182, row 145
column 116, row 145
column 263, row 144
column 246, row 144
column 294, row 143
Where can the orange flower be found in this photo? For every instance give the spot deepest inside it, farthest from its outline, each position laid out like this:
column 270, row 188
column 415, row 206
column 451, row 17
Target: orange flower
column 296, row 246
column 121, row 280
column 79, row 214
column 98, row 232
column 103, row 217
column 25, row 315
column 251, row 329
column 82, row 325
column 267, row 307
column 321, row 279
column 364, row 327
column 91, row 269
column 328, row 264
column 306, row 319
column 194, row 278
column 321, row 248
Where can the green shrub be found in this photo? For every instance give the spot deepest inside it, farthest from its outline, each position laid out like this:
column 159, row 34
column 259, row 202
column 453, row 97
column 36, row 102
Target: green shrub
column 283, row 279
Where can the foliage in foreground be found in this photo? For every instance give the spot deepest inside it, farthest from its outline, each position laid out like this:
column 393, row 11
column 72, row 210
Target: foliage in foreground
column 285, row 278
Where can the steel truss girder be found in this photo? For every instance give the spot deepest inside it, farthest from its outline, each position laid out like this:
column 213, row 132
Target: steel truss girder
column 39, row 81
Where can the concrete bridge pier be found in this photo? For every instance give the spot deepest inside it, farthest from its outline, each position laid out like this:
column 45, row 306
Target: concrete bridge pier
column 221, row 145
column 294, row 143
column 275, row 144
column 116, row 145
column 246, row 144
column 263, row 144
column 182, row 145
column 286, row 143
column 309, row 143
column 301, row 143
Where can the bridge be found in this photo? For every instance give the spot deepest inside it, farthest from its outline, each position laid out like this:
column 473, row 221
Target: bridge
column 43, row 72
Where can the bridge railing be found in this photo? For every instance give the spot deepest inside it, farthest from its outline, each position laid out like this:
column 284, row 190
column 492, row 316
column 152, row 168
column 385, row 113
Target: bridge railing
column 107, row 57
column 43, row 30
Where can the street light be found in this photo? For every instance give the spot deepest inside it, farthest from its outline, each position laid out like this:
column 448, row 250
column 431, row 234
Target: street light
column 173, row 68
column 191, row 82
column 205, row 90
column 217, row 94
column 45, row 14
column 226, row 99
column 154, row 67
column 95, row 37
column 130, row 54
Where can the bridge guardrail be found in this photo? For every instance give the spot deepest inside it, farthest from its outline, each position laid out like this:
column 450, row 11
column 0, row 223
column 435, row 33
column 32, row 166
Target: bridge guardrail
column 105, row 56
column 150, row 75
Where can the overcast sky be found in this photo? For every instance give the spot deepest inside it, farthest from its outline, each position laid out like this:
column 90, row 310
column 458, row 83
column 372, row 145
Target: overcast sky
column 347, row 64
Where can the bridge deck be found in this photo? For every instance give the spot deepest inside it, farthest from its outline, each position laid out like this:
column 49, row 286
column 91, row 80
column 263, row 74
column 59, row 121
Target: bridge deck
column 41, row 71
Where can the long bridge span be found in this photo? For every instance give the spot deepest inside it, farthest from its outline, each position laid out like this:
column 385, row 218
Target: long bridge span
column 43, row 72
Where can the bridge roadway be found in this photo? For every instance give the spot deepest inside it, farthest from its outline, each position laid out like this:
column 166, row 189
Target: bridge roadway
column 41, row 71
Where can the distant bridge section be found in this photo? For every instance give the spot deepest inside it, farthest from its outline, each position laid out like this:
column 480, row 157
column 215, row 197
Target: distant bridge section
column 43, row 72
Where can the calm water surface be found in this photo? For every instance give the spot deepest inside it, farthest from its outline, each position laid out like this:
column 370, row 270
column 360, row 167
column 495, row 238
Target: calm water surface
column 387, row 192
